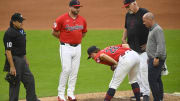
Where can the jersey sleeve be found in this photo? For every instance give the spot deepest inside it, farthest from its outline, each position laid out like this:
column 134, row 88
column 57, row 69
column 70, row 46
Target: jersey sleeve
column 57, row 24
column 8, row 41
column 85, row 26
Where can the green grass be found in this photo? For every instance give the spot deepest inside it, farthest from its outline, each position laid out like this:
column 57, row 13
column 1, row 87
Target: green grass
column 43, row 55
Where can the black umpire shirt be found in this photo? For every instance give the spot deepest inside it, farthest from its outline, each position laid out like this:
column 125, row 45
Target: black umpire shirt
column 137, row 32
column 14, row 40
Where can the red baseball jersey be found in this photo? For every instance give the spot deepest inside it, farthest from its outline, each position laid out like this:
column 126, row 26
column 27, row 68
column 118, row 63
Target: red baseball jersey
column 70, row 29
column 112, row 51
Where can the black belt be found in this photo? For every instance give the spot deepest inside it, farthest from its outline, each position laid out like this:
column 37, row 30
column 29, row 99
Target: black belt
column 74, row 45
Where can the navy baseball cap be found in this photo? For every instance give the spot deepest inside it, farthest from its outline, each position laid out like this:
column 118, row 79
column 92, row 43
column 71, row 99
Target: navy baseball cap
column 74, row 3
column 128, row 2
column 17, row 17
column 91, row 50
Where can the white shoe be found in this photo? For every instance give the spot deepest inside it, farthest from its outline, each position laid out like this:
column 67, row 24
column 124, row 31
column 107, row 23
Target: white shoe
column 61, row 98
column 71, row 97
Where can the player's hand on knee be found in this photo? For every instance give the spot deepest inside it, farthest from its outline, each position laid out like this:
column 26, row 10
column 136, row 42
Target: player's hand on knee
column 113, row 67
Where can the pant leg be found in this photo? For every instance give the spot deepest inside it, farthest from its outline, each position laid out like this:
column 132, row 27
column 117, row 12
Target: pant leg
column 161, row 89
column 132, row 75
column 153, row 76
column 143, row 75
column 65, row 55
column 125, row 64
column 74, row 70
column 14, row 90
column 29, row 84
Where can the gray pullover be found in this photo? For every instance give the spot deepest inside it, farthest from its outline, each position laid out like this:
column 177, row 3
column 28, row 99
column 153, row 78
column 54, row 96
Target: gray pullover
column 156, row 43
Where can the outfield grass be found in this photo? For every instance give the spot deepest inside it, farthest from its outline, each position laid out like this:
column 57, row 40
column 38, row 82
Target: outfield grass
column 43, row 55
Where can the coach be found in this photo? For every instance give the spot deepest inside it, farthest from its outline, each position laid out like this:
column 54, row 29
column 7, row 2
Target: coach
column 156, row 51
column 136, row 34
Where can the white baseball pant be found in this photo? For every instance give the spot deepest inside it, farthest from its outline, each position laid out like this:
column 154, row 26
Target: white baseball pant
column 127, row 64
column 70, row 61
column 143, row 75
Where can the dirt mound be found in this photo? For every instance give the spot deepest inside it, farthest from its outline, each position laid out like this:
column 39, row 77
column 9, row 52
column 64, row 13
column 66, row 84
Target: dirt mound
column 119, row 96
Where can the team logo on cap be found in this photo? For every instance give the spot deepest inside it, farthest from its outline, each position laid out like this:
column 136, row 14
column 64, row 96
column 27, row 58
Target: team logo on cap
column 55, row 24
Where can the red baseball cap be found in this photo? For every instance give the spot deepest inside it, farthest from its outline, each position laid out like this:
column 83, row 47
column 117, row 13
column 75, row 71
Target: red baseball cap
column 74, row 3
column 127, row 3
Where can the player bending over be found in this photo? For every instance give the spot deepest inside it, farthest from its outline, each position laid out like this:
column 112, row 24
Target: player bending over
column 122, row 61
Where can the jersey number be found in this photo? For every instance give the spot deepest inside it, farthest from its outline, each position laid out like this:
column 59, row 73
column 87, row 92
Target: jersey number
column 9, row 44
column 112, row 49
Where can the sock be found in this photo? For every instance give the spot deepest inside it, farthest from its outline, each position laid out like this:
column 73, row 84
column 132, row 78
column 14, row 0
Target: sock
column 109, row 95
column 136, row 90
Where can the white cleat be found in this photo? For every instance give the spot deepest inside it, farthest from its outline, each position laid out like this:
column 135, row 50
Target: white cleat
column 61, row 98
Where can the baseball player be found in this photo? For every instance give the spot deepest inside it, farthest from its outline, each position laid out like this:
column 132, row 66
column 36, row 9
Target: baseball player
column 69, row 28
column 136, row 34
column 123, row 61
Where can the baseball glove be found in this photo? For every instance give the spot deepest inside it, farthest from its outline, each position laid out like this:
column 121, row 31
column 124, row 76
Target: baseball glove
column 13, row 80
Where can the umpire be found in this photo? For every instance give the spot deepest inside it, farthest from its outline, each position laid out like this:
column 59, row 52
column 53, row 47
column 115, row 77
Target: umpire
column 16, row 63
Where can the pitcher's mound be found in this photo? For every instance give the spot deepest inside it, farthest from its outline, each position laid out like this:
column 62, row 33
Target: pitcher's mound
column 119, row 96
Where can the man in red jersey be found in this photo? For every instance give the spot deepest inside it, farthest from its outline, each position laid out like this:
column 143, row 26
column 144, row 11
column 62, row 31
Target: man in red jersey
column 122, row 61
column 69, row 28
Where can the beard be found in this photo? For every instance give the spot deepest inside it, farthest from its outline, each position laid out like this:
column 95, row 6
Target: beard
column 75, row 12
column 130, row 12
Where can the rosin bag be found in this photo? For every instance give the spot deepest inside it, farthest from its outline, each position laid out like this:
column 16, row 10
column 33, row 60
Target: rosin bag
column 164, row 69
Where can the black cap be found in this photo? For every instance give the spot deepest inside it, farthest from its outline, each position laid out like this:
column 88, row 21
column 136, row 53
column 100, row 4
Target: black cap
column 17, row 17
column 128, row 2
column 91, row 50
column 75, row 3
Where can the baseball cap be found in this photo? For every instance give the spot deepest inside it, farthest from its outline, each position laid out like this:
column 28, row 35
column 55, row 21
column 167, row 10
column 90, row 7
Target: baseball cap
column 17, row 17
column 75, row 3
column 128, row 2
column 91, row 50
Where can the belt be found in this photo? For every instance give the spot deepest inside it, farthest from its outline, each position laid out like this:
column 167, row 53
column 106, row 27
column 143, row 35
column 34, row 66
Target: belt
column 74, row 45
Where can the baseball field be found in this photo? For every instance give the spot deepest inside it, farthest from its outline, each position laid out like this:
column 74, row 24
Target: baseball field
column 45, row 63
column 105, row 21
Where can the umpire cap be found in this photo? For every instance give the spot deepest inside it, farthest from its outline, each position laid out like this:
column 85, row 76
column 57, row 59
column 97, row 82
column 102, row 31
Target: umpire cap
column 128, row 2
column 91, row 50
column 17, row 17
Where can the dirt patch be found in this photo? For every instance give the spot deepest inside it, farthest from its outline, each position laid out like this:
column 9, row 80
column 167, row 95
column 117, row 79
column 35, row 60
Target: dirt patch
column 119, row 96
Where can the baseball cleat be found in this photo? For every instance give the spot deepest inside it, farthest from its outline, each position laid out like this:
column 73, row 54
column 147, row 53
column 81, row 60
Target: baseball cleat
column 61, row 99
column 70, row 99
